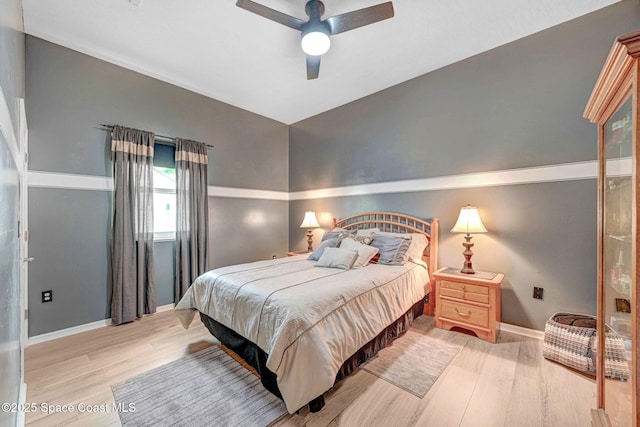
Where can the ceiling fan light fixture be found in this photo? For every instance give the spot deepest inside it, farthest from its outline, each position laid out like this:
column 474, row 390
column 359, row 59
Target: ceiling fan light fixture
column 315, row 32
column 315, row 43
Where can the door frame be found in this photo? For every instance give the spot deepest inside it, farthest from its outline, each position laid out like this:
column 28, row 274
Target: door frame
column 23, row 139
column 24, row 226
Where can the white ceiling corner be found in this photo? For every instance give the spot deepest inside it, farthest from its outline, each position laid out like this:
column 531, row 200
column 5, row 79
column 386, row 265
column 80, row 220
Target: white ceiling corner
column 219, row 50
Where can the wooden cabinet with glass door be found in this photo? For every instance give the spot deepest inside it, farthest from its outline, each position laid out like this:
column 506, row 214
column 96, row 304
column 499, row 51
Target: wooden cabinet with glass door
column 614, row 107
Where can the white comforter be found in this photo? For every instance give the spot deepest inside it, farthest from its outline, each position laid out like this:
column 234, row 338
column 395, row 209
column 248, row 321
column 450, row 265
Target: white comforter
column 308, row 319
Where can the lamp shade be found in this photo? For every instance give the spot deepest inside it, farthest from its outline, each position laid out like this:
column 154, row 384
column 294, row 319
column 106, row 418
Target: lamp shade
column 310, row 220
column 469, row 221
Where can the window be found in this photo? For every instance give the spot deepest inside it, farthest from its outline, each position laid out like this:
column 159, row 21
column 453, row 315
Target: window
column 164, row 203
column 164, row 193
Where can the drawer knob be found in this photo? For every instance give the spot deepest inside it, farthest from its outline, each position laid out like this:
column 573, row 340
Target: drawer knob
column 463, row 314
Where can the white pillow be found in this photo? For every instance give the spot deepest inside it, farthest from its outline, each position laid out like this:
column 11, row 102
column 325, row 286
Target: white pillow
column 418, row 244
column 421, row 263
column 337, row 258
column 365, row 252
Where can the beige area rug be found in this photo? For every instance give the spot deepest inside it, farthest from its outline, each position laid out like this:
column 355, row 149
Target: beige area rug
column 207, row 388
column 415, row 361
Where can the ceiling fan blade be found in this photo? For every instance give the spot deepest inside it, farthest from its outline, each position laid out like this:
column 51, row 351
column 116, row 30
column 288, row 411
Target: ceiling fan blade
column 360, row 18
column 313, row 66
column 272, row 14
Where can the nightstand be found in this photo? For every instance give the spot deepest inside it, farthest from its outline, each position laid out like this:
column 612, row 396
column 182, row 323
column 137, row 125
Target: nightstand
column 469, row 301
column 294, row 253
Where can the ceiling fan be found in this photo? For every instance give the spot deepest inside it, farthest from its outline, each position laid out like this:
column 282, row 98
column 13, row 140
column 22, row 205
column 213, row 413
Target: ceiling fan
column 315, row 32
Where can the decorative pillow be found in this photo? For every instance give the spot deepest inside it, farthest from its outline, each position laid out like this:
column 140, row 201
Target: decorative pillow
column 365, row 252
column 335, row 233
column 367, row 232
column 393, row 249
column 418, row 243
column 337, row 258
column 365, row 240
column 329, row 243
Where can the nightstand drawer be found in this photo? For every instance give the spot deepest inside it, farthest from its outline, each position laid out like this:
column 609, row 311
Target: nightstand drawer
column 464, row 291
column 464, row 287
column 464, row 313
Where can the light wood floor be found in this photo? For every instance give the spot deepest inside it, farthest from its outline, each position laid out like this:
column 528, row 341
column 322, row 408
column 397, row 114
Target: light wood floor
column 504, row 384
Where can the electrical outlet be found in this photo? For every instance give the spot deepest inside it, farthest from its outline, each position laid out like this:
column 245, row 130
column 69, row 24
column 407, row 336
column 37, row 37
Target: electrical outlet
column 47, row 296
column 537, row 292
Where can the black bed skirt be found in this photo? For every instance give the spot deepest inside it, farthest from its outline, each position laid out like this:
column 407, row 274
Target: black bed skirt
column 257, row 358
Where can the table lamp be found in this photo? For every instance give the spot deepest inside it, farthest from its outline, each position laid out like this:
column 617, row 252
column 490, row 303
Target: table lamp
column 468, row 222
column 310, row 221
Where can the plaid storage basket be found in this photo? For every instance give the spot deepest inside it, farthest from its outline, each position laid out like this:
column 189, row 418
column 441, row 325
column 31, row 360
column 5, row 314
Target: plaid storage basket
column 573, row 345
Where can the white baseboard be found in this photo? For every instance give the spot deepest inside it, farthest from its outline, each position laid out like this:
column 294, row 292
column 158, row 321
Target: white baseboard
column 37, row 339
column 165, row 307
column 519, row 330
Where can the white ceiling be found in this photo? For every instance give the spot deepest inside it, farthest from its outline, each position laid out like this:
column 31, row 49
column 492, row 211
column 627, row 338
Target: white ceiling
column 221, row 51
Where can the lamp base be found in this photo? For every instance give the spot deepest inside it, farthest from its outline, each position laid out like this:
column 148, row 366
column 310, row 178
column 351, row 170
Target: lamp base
column 468, row 267
column 309, row 241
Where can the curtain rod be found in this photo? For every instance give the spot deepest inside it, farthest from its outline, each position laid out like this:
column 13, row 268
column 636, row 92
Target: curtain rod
column 162, row 138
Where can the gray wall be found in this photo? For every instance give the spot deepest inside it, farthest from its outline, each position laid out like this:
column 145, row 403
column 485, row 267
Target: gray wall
column 519, row 105
column 68, row 95
column 12, row 85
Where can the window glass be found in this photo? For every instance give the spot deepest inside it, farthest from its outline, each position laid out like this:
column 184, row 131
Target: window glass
column 164, row 155
column 164, row 202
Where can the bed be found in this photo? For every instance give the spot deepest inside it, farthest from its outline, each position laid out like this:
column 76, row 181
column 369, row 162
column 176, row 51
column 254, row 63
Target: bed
column 304, row 326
